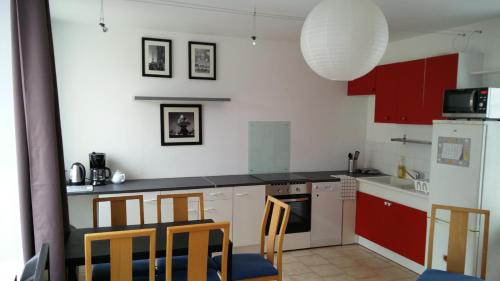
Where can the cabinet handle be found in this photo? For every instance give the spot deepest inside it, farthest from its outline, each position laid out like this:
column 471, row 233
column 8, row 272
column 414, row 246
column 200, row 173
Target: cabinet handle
column 241, row 194
column 215, row 193
column 149, row 200
column 210, row 209
column 388, row 204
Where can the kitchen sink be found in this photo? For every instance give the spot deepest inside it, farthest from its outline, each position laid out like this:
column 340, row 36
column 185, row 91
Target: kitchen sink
column 407, row 184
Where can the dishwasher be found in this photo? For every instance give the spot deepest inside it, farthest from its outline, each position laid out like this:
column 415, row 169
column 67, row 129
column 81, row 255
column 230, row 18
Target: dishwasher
column 326, row 214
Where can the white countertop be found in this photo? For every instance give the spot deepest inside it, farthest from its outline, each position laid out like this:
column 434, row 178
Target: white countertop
column 408, row 197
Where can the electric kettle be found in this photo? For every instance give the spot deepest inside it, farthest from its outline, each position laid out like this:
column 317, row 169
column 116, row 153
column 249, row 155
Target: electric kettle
column 77, row 174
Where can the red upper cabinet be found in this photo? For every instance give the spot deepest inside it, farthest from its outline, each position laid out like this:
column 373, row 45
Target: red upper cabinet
column 440, row 74
column 385, row 100
column 410, row 91
column 364, row 85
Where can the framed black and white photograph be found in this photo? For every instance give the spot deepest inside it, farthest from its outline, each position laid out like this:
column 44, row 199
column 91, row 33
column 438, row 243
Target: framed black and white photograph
column 202, row 61
column 156, row 57
column 181, row 124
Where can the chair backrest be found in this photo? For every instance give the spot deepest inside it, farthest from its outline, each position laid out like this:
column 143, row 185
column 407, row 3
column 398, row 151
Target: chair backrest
column 118, row 209
column 181, row 205
column 120, row 252
column 457, row 240
column 279, row 218
column 34, row 269
column 198, row 249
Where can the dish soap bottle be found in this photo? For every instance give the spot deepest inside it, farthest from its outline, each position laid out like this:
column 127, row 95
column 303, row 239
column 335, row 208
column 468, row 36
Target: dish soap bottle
column 402, row 168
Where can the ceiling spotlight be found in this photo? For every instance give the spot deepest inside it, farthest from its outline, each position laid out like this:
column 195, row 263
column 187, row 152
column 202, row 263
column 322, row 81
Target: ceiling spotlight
column 101, row 18
column 254, row 26
column 103, row 26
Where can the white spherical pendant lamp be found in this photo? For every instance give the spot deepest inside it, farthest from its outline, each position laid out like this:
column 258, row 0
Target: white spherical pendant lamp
column 344, row 39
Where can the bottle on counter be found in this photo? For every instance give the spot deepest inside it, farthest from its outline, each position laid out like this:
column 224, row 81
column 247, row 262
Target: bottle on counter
column 402, row 168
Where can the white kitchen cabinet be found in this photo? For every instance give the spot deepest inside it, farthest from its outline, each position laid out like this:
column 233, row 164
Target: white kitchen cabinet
column 133, row 213
column 248, row 209
column 219, row 205
column 220, row 193
column 326, row 222
column 167, row 205
column 219, row 210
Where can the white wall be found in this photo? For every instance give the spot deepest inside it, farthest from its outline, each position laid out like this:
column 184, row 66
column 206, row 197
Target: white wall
column 385, row 155
column 98, row 75
column 10, row 240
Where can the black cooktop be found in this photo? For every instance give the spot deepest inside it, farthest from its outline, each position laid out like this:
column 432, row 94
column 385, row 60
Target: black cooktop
column 279, row 177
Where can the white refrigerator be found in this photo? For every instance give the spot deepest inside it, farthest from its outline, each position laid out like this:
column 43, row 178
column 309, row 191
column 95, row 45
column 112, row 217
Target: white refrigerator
column 465, row 172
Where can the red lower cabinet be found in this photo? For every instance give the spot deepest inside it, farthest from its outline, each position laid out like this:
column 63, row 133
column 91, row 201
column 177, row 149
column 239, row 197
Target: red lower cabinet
column 396, row 227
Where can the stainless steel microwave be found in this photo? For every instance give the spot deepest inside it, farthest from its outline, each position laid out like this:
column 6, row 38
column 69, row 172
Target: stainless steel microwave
column 475, row 103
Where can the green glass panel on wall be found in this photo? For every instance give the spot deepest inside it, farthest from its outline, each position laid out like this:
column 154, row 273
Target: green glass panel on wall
column 268, row 147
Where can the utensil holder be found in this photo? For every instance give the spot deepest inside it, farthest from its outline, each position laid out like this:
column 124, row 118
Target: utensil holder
column 352, row 166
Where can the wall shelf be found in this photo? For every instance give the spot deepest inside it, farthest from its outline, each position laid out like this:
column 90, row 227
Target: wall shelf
column 482, row 72
column 159, row 98
column 404, row 140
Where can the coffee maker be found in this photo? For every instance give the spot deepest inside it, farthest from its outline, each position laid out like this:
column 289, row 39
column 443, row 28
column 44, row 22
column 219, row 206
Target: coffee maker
column 99, row 173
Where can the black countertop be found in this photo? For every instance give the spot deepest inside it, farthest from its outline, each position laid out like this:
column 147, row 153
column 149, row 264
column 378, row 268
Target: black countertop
column 145, row 185
column 326, row 176
column 166, row 184
column 280, row 177
column 234, row 180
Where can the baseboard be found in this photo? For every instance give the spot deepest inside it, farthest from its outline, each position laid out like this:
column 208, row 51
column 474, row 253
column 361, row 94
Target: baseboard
column 395, row 257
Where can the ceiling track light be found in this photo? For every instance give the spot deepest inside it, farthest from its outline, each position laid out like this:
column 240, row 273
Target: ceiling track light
column 254, row 26
column 101, row 18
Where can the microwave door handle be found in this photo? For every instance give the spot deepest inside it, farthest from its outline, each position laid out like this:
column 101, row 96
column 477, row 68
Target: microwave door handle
column 294, row 200
column 472, row 101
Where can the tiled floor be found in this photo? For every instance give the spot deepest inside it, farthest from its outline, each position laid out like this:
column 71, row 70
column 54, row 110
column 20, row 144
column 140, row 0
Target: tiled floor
column 338, row 263
column 342, row 263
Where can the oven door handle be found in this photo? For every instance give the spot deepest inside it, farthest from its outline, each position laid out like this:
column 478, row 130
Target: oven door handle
column 294, row 200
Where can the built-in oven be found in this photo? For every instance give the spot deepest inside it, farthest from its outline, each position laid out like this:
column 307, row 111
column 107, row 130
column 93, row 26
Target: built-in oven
column 298, row 196
column 480, row 103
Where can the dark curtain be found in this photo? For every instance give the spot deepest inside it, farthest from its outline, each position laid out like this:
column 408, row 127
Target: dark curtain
column 43, row 201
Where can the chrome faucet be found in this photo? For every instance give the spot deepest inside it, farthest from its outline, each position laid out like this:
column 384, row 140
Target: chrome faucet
column 418, row 175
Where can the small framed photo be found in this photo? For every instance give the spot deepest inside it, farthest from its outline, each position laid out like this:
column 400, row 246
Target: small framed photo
column 181, row 124
column 156, row 57
column 202, row 61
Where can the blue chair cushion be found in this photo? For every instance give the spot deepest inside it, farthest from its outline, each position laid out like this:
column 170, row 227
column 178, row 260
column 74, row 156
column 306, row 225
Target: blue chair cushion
column 438, row 275
column 180, row 263
column 181, row 275
column 140, row 270
column 247, row 266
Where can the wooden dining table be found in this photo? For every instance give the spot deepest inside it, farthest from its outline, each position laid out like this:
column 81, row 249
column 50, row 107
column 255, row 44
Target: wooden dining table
column 75, row 254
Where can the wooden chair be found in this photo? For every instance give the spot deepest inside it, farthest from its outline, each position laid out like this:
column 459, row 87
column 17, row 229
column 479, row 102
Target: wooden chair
column 120, row 267
column 118, row 209
column 181, row 205
column 197, row 268
column 119, row 218
column 457, row 245
column 260, row 267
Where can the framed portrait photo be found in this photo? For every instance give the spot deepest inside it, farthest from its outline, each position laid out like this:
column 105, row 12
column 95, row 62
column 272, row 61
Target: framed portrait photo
column 181, row 124
column 156, row 57
column 202, row 61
